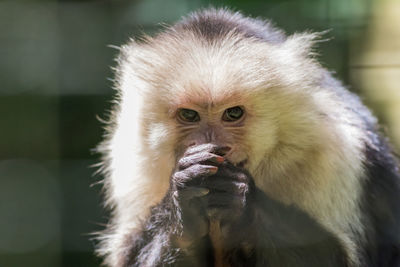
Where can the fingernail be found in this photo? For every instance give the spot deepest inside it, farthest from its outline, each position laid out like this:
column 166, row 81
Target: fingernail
column 213, row 169
column 218, row 159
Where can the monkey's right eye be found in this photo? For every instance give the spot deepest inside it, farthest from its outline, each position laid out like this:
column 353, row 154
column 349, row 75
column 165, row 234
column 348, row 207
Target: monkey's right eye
column 188, row 115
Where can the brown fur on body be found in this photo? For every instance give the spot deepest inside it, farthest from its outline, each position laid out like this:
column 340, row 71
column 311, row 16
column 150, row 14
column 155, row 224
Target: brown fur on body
column 303, row 139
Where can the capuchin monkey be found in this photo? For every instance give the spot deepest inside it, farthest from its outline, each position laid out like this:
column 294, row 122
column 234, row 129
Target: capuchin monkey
column 230, row 145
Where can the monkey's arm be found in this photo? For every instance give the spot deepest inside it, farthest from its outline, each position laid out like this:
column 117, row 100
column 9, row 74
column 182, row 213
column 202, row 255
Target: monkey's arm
column 158, row 243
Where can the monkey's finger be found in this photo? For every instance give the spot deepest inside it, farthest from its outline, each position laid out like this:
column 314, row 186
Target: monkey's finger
column 230, row 172
column 223, row 201
column 212, row 148
column 201, row 157
column 200, row 148
column 181, row 178
column 191, row 192
column 232, row 187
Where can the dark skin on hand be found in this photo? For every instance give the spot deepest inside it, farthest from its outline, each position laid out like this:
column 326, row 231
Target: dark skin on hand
column 210, row 191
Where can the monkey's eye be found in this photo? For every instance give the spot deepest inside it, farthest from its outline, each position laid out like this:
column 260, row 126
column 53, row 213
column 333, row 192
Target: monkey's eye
column 233, row 114
column 188, row 115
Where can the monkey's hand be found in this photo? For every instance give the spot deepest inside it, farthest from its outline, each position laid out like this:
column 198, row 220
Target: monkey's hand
column 209, row 192
column 189, row 185
column 231, row 189
column 230, row 209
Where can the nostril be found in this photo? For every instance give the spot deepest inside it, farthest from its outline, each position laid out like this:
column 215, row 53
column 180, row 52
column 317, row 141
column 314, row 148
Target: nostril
column 223, row 150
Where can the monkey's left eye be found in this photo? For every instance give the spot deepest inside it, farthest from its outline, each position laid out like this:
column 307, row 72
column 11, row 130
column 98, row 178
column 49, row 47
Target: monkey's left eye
column 233, row 114
column 188, row 115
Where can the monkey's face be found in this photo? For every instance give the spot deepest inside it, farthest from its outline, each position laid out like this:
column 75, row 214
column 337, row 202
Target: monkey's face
column 231, row 120
column 249, row 96
column 223, row 125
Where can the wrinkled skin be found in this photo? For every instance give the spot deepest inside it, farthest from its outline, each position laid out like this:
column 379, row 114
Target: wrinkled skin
column 206, row 187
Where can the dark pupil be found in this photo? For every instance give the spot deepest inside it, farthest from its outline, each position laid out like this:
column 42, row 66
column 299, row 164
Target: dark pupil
column 234, row 113
column 189, row 115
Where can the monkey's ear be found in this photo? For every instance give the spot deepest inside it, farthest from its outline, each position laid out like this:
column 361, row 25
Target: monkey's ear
column 302, row 44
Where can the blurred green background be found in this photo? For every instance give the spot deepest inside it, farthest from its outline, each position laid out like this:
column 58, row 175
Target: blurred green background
column 54, row 79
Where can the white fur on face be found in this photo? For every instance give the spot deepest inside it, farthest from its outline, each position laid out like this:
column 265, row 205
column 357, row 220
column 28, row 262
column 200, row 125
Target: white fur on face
column 301, row 145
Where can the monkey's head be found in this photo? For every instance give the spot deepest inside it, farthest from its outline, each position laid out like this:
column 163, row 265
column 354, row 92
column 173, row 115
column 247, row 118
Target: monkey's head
column 185, row 87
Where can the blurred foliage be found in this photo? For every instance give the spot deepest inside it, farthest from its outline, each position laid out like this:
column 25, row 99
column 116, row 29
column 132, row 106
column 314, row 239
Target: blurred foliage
column 54, row 70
